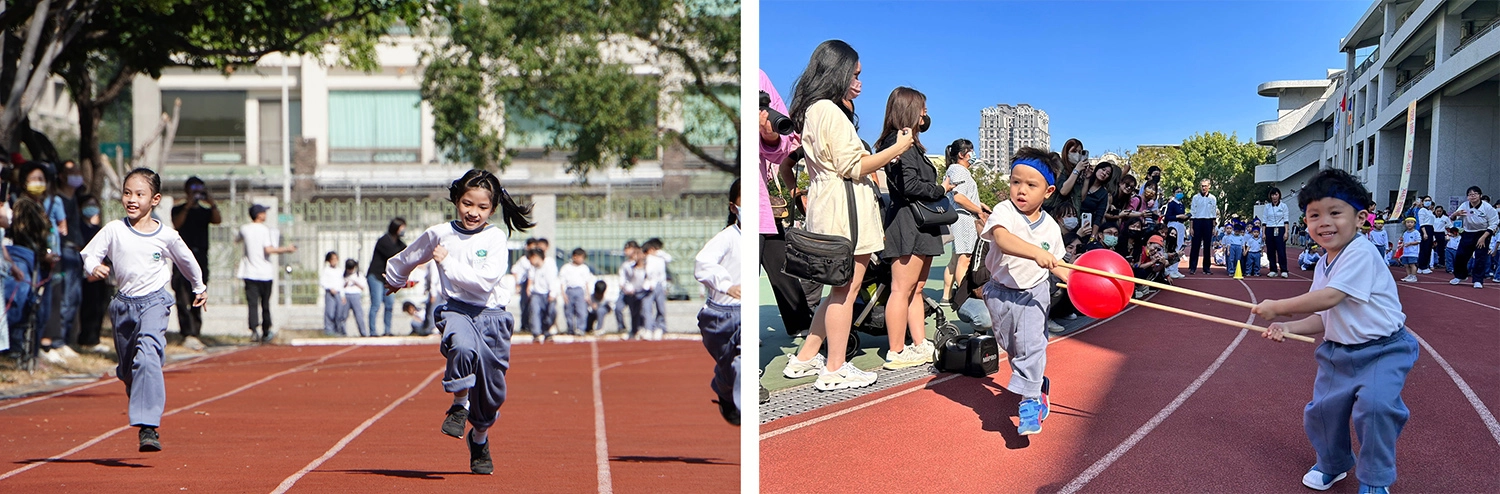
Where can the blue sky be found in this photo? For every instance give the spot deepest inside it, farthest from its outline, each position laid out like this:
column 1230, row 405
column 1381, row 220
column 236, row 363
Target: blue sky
column 1114, row 74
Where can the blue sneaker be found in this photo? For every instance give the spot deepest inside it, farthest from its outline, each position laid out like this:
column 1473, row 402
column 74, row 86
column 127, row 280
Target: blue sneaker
column 1365, row 489
column 1031, row 410
column 1321, row 481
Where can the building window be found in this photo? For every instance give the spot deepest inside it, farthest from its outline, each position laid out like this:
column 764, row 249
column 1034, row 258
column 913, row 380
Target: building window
column 210, row 128
column 374, row 126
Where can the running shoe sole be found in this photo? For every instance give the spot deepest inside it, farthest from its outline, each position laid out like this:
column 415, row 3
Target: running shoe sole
column 453, row 424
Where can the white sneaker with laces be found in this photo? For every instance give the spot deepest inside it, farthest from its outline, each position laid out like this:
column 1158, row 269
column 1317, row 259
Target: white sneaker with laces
column 848, row 376
column 910, row 356
column 929, row 350
column 1424, row 271
column 101, row 348
column 192, row 343
column 1455, row 281
column 1410, row 279
column 51, row 357
column 1283, row 274
column 1478, row 285
column 799, row 368
column 66, row 352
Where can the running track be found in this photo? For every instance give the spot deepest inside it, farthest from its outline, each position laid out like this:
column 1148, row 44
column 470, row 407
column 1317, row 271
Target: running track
column 365, row 419
column 1153, row 402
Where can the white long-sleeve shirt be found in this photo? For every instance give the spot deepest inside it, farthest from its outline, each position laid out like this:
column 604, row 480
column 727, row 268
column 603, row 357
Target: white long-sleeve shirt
column 656, row 271
column 1481, row 218
column 354, row 283
column 1205, row 207
column 1276, row 215
column 717, row 266
column 142, row 261
column 576, row 276
column 331, row 278
column 630, row 277
column 476, row 260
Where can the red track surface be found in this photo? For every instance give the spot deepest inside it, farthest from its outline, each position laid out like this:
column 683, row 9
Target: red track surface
column 663, row 434
column 1240, row 431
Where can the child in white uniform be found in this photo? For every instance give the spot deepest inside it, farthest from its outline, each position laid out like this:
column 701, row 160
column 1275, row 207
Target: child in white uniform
column 142, row 253
column 471, row 260
column 717, row 267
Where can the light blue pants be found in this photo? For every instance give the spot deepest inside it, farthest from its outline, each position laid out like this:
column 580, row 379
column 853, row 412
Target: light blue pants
column 1020, row 319
column 1360, row 382
column 1234, row 254
column 536, row 313
column 140, row 335
column 353, row 304
column 577, row 310
column 660, row 301
column 1253, row 261
column 333, row 321
column 720, row 327
column 642, row 311
column 379, row 299
column 476, row 342
column 974, row 312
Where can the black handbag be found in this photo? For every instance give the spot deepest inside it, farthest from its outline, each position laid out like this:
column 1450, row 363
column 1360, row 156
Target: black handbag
column 934, row 213
column 820, row 258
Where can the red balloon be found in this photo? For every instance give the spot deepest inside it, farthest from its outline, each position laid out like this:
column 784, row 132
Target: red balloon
column 1099, row 296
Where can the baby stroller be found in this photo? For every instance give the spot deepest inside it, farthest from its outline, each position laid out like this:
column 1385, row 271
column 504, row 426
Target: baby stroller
column 869, row 309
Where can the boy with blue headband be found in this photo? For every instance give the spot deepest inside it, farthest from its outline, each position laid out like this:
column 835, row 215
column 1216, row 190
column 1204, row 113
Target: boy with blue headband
column 1367, row 351
column 1027, row 244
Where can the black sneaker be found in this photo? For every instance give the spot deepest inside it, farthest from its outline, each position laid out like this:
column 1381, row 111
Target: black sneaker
column 150, row 441
column 730, row 413
column 453, row 425
column 479, row 457
column 765, row 395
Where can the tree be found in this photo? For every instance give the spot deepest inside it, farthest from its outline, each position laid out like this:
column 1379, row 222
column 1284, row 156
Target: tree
column 119, row 40
column 575, row 69
column 1230, row 164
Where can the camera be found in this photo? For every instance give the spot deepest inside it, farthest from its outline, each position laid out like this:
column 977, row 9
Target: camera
column 779, row 122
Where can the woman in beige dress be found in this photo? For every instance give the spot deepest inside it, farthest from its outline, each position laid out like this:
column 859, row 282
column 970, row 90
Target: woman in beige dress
column 823, row 108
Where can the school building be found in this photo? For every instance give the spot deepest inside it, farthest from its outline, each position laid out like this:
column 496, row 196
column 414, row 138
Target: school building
column 1441, row 54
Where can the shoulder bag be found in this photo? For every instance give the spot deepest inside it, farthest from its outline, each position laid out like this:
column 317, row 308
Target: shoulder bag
column 825, row 259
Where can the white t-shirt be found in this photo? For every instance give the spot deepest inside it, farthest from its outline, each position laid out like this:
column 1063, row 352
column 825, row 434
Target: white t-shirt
column 255, row 265
column 142, row 262
column 1481, row 218
column 717, row 266
column 331, row 278
column 1412, row 238
column 576, row 276
column 475, row 263
column 355, row 283
column 1018, row 272
column 1371, row 309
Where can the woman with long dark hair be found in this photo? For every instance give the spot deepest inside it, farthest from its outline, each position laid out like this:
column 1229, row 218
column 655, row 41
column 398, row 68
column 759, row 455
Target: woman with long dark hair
column 1074, row 157
column 909, row 246
column 1096, row 186
column 823, row 111
column 971, row 212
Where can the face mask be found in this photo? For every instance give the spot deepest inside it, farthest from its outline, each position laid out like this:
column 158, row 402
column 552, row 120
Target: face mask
column 1427, row 204
column 91, row 211
column 1178, row 196
column 736, row 211
column 1111, row 240
column 926, row 124
column 36, row 189
column 1070, row 222
column 1075, row 157
column 75, row 181
column 854, row 88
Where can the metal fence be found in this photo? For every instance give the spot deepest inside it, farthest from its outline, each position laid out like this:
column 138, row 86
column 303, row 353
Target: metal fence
column 351, row 227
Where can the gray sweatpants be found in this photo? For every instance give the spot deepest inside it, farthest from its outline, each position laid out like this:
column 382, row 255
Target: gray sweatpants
column 1020, row 325
column 577, row 310
column 720, row 327
column 476, row 342
column 1360, row 384
column 140, row 334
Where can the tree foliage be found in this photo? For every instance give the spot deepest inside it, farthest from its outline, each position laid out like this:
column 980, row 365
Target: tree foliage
column 1221, row 158
column 599, row 77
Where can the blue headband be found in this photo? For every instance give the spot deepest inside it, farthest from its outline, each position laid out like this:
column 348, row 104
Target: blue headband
column 1345, row 196
column 1038, row 166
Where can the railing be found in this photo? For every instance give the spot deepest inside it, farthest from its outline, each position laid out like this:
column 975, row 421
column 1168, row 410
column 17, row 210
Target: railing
column 1409, row 83
column 593, row 206
column 1472, row 37
column 207, row 150
column 374, row 155
column 1370, row 60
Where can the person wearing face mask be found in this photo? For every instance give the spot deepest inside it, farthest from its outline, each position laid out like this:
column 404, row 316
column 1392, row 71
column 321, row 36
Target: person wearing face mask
column 40, row 180
column 1096, row 186
column 1175, row 213
column 1425, row 222
column 1074, row 157
column 95, row 295
column 191, row 220
column 822, row 108
column 971, row 213
column 388, row 245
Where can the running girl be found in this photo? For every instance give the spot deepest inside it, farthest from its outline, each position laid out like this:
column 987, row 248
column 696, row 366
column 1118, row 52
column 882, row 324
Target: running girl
column 471, row 260
column 142, row 253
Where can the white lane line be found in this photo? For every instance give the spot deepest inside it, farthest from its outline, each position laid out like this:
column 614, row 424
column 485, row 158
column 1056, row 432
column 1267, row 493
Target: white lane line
column 101, row 382
column 1484, row 412
column 1408, row 285
column 1161, row 416
column 638, row 361
column 289, row 481
column 174, row 411
column 601, row 446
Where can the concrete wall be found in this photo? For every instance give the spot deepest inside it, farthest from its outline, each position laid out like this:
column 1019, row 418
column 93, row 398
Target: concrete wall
column 1465, row 150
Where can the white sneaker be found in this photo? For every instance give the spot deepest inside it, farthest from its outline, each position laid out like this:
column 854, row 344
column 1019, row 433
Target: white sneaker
column 1424, row 271
column 1283, row 274
column 1478, row 285
column 799, row 368
column 1410, row 279
column 1320, row 481
column 847, row 376
column 66, row 352
column 1054, row 327
column 51, row 357
column 192, row 343
column 929, row 351
column 911, row 356
column 1455, row 281
column 101, row 348
column 1177, row 276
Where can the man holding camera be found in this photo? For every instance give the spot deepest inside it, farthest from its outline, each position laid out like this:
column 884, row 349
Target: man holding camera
column 778, row 139
column 191, row 219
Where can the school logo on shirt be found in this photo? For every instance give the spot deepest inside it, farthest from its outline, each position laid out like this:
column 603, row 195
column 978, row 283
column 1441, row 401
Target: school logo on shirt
column 1046, row 246
column 482, row 253
column 156, row 256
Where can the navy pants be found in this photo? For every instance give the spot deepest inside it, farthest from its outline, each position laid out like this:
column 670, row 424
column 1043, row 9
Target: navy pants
column 1469, row 246
column 1361, row 383
column 1276, row 249
column 577, row 310
column 140, row 335
column 1424, row 249
column 1203, row 237
column 720, row 327
column 476, row 342
column 642, row 311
